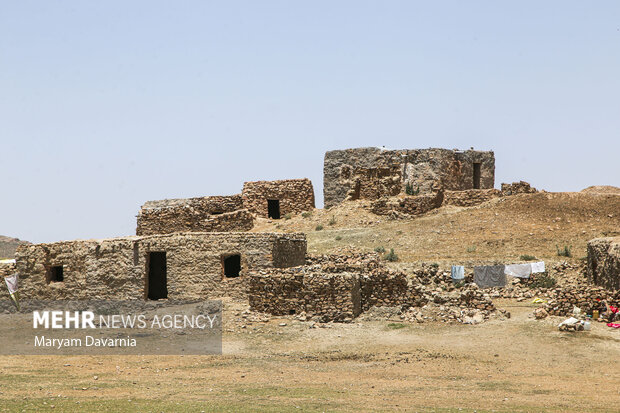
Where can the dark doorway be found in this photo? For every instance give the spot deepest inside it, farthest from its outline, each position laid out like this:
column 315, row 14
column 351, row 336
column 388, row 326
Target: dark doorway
column 157, row 281
column 273, row 208
column 232, row 266
column 55, row 274
column 476, row 176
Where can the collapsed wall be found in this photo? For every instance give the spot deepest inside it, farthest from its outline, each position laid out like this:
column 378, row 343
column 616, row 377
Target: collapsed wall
column 176, row 266
column 204, row 214
column 407, row 205
column 275, row 199
column 372, row 173
column 470, row 197
column 604, row 262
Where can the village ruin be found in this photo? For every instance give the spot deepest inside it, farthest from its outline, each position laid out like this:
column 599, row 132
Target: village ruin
column 202, row 247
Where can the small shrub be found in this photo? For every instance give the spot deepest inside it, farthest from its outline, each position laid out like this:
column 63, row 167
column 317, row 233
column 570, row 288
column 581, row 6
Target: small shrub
column 380, row 249
column 435, row 265
column 564, row 252
column 306, row 214
column 319, row 227
column 288, row 216
column 409, row 189
column 471, row 248
column 543, row 280
column 396, row 326
column 332, row 220
column 391, row 256
column 526, row 257
column 338, row 238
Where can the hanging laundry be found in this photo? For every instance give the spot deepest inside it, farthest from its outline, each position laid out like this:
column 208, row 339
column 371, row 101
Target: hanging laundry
column 490, row 276
column 458, row 272
column 538, row 267
column 518, row 270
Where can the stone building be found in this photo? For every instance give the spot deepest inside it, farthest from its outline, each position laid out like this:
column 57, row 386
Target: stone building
column 604, row 262
column 274, row 199
column 204, row 214
column 189, row 265
column 373, row 173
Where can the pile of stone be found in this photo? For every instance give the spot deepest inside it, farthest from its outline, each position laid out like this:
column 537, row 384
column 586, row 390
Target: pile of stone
column 515, row 188
column 470, row 197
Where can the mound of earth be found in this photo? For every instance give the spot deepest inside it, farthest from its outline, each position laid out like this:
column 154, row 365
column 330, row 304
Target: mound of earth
column 502, row 230
column 8, row 246
column 601, row 189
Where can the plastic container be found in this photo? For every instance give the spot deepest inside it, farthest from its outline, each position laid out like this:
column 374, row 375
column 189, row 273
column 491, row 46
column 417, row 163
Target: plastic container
column 595, row 315
column 587, row 326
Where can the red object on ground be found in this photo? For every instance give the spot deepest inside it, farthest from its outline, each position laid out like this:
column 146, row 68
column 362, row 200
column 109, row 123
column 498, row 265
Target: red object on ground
column 613, row 325
column 613, row 309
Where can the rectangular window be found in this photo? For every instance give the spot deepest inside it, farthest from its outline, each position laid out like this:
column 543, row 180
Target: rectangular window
column 55, row 274
column 231, row 266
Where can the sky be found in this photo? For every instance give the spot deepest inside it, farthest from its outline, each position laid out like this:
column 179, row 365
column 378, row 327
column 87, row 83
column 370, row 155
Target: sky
column 107, row 104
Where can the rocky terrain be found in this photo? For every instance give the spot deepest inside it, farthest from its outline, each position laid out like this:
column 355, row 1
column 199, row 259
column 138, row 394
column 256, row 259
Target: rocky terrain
column 8, row 246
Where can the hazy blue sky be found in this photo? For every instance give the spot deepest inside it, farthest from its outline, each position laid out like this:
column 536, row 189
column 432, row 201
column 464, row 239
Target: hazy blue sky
column 107, row 104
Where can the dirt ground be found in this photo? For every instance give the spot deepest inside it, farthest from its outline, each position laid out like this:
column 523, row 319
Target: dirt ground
column 515, row 364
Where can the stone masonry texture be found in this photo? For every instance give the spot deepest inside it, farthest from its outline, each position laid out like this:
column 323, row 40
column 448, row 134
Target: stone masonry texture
column 604, row 262
column 294, row 196
column 372, row 173
column 205, row 214
column 117, row 268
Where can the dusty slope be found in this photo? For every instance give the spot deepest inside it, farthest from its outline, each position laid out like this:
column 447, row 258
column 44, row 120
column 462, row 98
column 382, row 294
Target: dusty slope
column 8, row 246
column 498, row 230
column 601, row 189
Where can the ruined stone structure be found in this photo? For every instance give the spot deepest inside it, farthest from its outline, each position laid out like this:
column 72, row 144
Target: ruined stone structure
column 373, row 173
column 205, row 214
column 329, row 288
column 176, row 266
column 470, row 197
column 407, row 205
column 515, row 188
column 604, row 262
column 7, row 268
column 275, row 199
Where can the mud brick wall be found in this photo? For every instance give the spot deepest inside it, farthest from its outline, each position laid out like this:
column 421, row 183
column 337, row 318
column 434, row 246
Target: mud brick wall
column 515, row 188
column 604, row 262
column 408, row 205
column 117, row 268
column 387, row 172
column 206, row 214
column 295, row 196
column 470, row 197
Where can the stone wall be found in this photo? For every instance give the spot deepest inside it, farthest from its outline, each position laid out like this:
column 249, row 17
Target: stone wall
column 307, row 290
column 470, row 197
column 515, row 188
column 294, row 196
column 117, row 268
column 604, row 262
column 371, row 173
column 206, row 214
column 407, row 204
column 7, row 269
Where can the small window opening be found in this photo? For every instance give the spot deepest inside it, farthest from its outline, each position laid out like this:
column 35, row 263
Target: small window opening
column 476, row 175
column 232, row 266
column 218, row 212
column 291, row 312
column 55, row 274
column 273, row 208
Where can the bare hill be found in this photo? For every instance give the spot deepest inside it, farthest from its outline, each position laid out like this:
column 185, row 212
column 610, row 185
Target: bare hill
column 601, row 189
column 500, row 230
column 8, row 246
